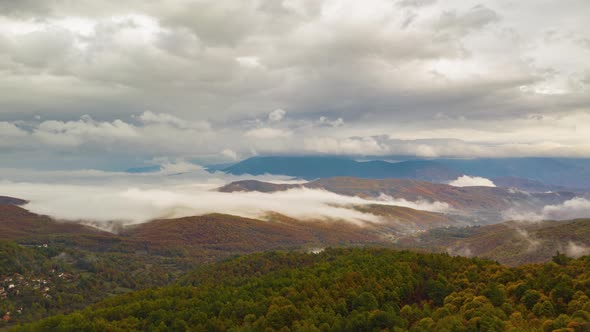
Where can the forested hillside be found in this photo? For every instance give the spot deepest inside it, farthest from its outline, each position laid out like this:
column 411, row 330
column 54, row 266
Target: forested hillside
column 41, row 280
column 352, row 290
column 511, row 243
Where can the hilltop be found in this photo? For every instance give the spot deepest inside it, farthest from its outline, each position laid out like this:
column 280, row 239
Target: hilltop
column 18, row 224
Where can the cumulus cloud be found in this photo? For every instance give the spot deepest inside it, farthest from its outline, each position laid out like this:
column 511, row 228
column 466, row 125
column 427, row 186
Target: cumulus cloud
column 10, row 133
column 472, row 181
column 229, row 153
column 155, row 134
column 73, row 133
column 149, row 117
column 351, row 145
column 333, row 123
column 276, row 115
column 267, row 133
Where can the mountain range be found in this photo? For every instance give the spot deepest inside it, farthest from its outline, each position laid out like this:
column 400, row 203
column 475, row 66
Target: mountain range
column 532, row 174
column 307, row 167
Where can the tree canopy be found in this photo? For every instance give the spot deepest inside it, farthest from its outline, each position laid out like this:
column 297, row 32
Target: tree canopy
column 351, row 290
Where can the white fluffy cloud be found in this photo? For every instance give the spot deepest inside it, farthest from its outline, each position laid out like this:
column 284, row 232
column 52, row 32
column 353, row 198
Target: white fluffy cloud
column 8, row 130
column 472, row 181
column 74, row 133
column 267, row 133
column 578, row 207
column 276, row 115
column 349, row 145
column 149, row 117
column 574, row 208
column 229, row 153
column 334, row 123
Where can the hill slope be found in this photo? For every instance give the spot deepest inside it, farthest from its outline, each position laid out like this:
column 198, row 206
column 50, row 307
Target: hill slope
column 206, row 238
column 18, row 224
column 215, row 236
column 511, row 243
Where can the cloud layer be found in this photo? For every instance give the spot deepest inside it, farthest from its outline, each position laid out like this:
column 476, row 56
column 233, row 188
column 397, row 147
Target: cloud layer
column 117, row 83
column 181, row 190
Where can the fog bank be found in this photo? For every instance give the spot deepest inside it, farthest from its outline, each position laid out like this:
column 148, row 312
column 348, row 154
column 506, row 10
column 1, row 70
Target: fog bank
column 102, row 197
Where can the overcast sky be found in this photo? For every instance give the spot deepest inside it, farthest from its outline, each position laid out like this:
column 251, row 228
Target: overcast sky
column 113, row 84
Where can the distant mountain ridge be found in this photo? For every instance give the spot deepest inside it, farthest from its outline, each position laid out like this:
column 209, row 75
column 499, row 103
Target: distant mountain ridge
column 537, row 174
column 322, row 167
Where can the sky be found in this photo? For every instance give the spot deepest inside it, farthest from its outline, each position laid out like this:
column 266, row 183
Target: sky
column 110, row 85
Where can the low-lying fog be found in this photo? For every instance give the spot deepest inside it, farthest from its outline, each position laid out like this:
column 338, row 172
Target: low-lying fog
column 178, row 190
column 577, row 207
column 183, row 189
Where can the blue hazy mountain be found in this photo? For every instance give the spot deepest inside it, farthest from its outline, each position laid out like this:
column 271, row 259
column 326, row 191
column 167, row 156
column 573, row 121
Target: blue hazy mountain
column 572, row 173
column 322, row 167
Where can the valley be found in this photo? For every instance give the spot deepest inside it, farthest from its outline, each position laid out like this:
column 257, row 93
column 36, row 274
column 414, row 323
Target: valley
column 54, row 266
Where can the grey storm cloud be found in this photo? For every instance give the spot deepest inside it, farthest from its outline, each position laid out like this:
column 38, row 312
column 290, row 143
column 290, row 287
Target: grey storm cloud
column 140, row 79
